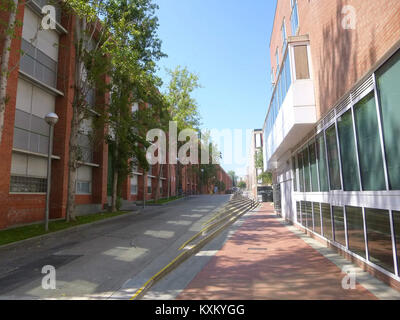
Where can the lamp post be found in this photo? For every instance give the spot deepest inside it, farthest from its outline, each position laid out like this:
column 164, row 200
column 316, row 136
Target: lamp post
column 51, row 120
column 201, row 180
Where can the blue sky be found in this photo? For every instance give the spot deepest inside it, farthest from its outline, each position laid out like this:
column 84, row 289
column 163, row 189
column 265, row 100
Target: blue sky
column 226, row 42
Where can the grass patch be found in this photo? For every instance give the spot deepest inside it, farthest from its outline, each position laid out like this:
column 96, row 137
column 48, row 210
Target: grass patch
column 164, row 200
column 33, row 230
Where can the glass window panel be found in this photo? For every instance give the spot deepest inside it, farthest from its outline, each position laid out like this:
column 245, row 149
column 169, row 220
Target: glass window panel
column 369, row 146
column 309, row 215
column 298, row 211
column 388, row 79
column 313, row 167
column 396, row 222
column 355, row 230
column 22, row 119
column 303, row 214
column 294, row 168
column 317, row 217
column 321, row 156
column 351, row 181
column 39, row 125
column 326, row 220
column 301, row 172
column 338, row 225
column 379, row 238
column 21, row 139
column 333, row 158
column 301, row 62
column 306, row 164
column 34, row 142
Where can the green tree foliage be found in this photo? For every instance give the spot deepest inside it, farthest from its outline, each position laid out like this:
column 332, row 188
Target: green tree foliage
column 242, row 185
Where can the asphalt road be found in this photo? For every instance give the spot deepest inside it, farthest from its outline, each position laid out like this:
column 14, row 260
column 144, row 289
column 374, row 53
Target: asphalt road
column 107, row 260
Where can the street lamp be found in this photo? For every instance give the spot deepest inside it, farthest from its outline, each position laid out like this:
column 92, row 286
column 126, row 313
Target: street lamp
column 51, row 120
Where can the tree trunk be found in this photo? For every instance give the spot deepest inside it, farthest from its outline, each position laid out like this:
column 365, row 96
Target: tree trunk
column 157, row 194
column 115, row 180
column 5, row 58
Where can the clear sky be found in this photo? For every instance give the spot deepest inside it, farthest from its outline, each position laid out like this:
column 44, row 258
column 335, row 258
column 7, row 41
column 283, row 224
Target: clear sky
column 226, row 42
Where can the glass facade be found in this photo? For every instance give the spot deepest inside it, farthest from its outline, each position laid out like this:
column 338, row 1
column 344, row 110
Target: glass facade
column 303, row 214
column 355, row 230
column 301, row 172
column 306, row 163
column 333, row 158
column 309, row 215
column 321, row 158
column 326, row 220
column 338, row 225
column 396, row 225
column 379, row 238
column 317, row 217
column 298, row 211
column 313, row 168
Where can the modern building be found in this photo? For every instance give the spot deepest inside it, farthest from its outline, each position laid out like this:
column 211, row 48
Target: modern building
column 42, row 64
column 332, row 126
column 253, row 171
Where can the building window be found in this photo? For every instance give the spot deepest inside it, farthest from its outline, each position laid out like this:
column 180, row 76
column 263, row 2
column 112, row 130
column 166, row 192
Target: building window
column 294, row 18
column 283, row 29
column 149, row 185
column 294, row 168
column 301, row 62
column 351, row 181
column 369, row 146
column 326, row 220
column 134, row 184
column 388, row 79
column 379, row 238
column 313, row 167
column 301, row 171
column 303, row 213
column 317, row 217
column 84, row 180
column 333, row 158
column 309, row 215
column 321, row 158
column 396, row 224
column 21, row 184
column 355, row 230
column 277, row 62
column 338, row 225
column 307, row 180
column 298, row 211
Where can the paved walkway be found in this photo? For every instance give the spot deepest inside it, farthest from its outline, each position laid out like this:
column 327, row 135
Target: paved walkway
column 265, row 259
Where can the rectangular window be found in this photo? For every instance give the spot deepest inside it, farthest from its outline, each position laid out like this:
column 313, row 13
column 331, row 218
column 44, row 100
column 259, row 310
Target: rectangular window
column 321, row 157
column 326, row 220
column 283, row 35
column 388, row 79
column 307, row 180
column 351, row 181
column 338, row 225
column 301, row 62
column 379, row 238
column 294, row 18
column 369, row 146
column 298, row 211
column 355, row 230
column 313, row 167
column 333, row 158
column 294, row 168
column 396, row 223
column 309, row 215
column 303, row 214
column 134, row 184
column 149, row 185
column 301, row 172
column 317, row 217
column 84, row 180
column 28, row 184
column 277, row 62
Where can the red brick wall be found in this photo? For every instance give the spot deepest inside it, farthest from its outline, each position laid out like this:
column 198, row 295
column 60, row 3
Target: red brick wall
column 340, row 57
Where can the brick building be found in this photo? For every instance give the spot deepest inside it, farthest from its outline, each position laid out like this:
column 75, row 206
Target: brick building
column 42, row 81
column 332, row 125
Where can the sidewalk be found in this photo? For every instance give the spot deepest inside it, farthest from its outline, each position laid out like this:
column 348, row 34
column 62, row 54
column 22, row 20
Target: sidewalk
column 265, row 259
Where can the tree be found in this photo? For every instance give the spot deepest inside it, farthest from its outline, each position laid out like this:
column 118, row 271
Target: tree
column 266, row 177
column 242, row 185
column 233, row 176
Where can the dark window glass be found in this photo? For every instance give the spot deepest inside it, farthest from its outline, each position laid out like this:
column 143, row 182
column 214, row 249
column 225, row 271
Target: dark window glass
column 338, row 225
column 317, row 217
column 388, row 79
column 313, row 166
column 303, row 214
column 294, row 167
column 321, row 156
column 309, row 215
column 301, row 172
column 333, row 158
column 396, row 222
column 379, row 238
column 355, row 230
column 298, row 211
column 351, row 181
column 326, row 220
column 369, row 146
column 306, row 170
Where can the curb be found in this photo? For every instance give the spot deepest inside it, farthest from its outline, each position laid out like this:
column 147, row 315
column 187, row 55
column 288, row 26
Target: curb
column 82, row 226
column 185, row 255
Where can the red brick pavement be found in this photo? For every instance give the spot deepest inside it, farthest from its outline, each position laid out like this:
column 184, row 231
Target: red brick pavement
column 288, row 268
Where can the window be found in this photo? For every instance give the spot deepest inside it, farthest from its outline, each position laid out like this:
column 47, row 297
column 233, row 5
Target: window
column 309, row 215
column 149, row 185
column 388, row 79
column 351, row 181
column 306, row 164
column 301, row 171
column 28, row 184
column 294, row 18
column 277, row 62
column 294, row 168
column 303, row 213
column 283, row 29
column 338, row 225
column 134, row 184
column 326, row 220
column 369, row 146
column 298, row 211
column 313, row 168
column 84, row 180
column 355, row 230
column 396, row 224
column 317, row 217
column 333, row 158
column 321, row 158
column 301, row 62
column 379, row 238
